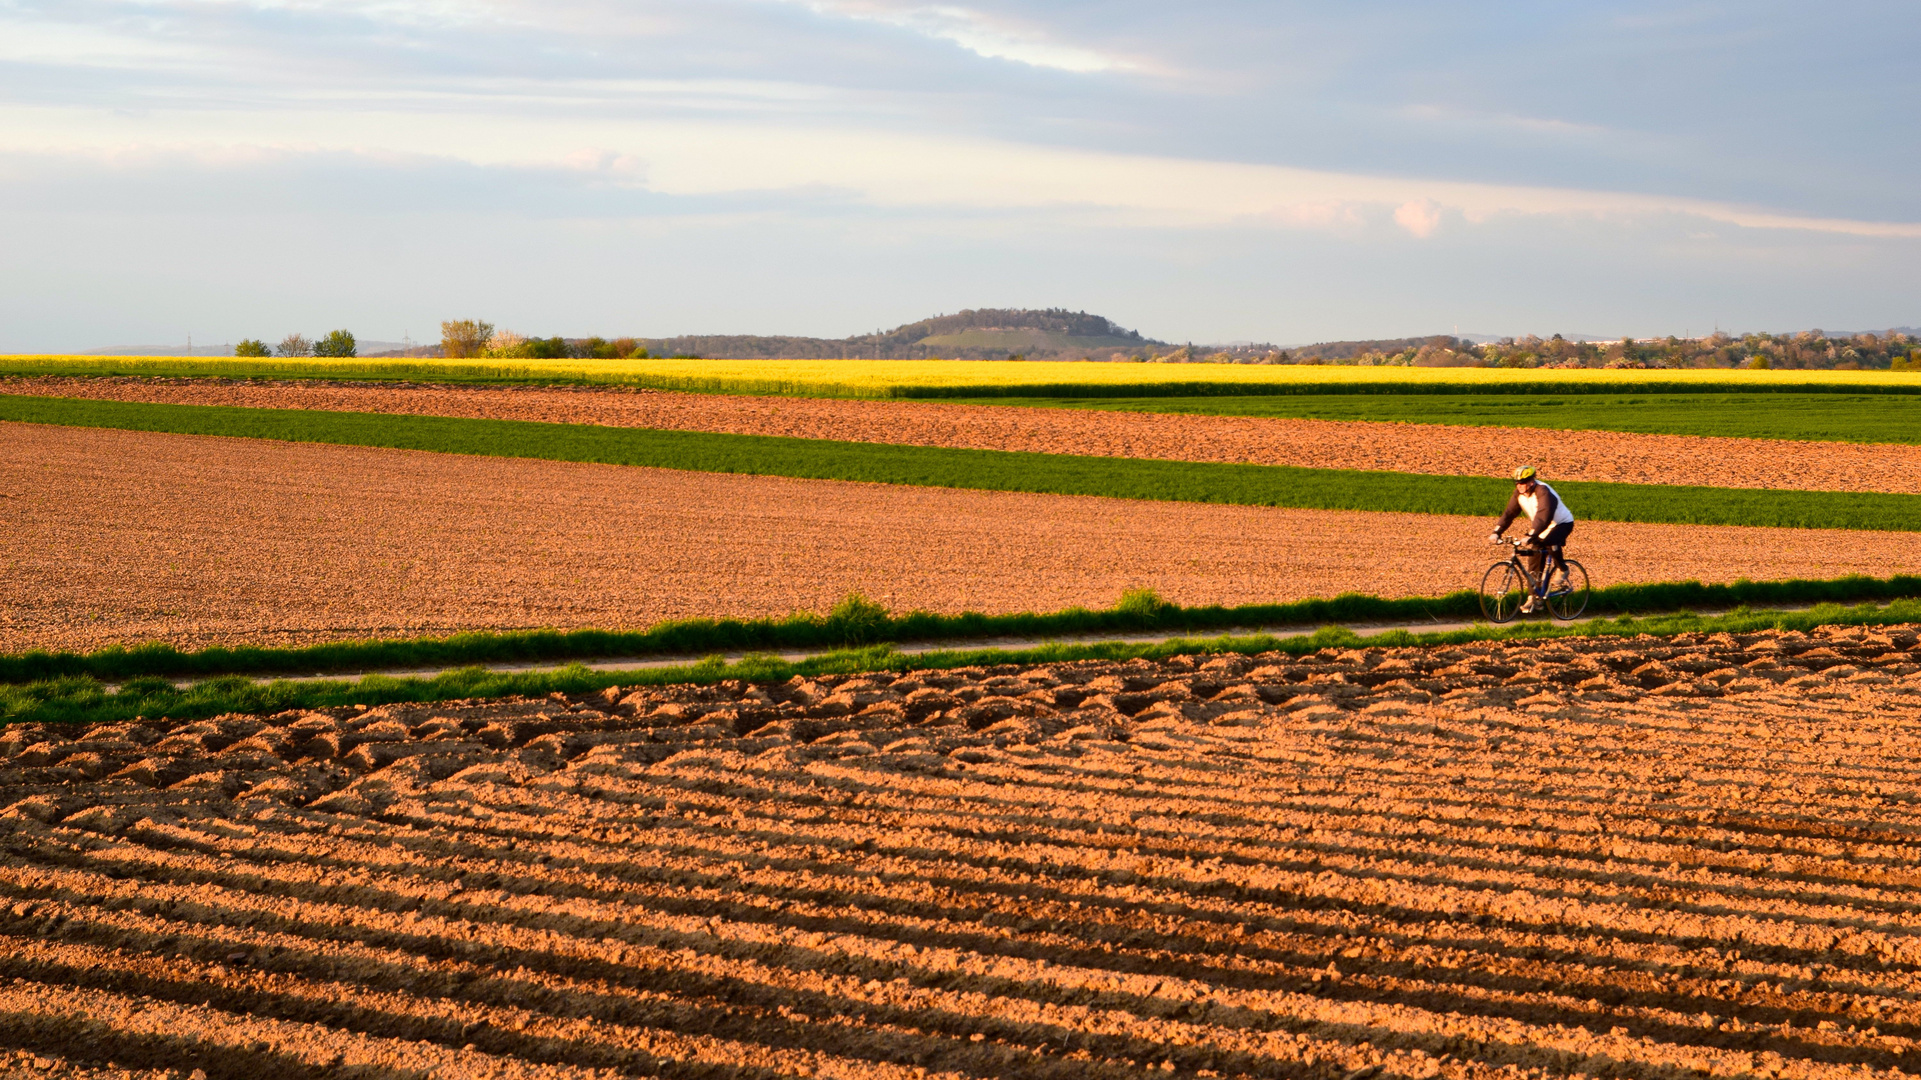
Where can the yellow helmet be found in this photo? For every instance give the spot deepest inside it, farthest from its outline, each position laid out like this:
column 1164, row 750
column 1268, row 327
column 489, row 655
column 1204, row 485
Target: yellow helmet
column 1524, row 472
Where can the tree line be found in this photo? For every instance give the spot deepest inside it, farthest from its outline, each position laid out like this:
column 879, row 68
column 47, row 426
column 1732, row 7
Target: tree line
column 336, row 343
column 1809, row 349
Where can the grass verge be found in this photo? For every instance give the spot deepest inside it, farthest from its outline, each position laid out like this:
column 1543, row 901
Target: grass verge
column 982, row 378
column 857, row 621
column 85, row 700
column 991, row 470
column 1826, row 417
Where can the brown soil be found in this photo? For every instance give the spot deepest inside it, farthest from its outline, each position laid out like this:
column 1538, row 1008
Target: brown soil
column 1600, row 858
column 1421, row 448
column 120, row 537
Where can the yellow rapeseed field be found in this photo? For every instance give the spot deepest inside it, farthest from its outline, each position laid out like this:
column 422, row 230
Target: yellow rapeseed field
column 943, row 378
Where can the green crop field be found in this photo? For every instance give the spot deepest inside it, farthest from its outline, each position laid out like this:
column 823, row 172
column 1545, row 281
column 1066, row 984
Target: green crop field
column 1825, row 417
column 987, row 378
column 1129, row 478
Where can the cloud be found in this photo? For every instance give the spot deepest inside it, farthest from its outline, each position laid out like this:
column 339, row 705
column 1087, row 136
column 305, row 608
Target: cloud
column 996, row 38
column 884, row 169
column 1418, row 216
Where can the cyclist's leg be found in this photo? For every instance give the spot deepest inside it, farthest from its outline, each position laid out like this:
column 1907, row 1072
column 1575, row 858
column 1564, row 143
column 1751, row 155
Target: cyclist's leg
column 1536, row 565
column 1557, row 538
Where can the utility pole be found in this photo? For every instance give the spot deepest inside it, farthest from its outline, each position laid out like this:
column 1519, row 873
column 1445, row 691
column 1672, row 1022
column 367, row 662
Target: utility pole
column 190, row 343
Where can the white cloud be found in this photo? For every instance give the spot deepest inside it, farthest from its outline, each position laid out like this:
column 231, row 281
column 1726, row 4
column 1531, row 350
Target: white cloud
column 979, row 33
column 1418, row 216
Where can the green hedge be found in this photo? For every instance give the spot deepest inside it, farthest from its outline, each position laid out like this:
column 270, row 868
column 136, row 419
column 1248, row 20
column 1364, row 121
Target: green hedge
column 857, row 621
column 1061, row 474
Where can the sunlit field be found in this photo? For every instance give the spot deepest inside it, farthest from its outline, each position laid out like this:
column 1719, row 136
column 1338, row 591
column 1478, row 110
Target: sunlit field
column 972, row 378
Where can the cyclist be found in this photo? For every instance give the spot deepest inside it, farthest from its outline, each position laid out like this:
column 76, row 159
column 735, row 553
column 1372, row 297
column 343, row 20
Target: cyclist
column 1549, row 523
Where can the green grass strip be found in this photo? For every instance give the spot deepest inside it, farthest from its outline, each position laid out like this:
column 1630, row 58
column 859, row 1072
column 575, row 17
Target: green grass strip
column 1808, row 417
column 991, row 470
column 1518, row 386
column 857, row 621
column 85, row 700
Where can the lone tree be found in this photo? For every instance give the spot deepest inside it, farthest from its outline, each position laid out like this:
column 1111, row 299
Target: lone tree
column 338, row 343
column 464, row 337
column 252, row 347
column 294, row 345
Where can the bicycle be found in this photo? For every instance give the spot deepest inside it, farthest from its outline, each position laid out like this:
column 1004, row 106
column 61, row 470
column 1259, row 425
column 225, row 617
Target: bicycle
column 1506, row 584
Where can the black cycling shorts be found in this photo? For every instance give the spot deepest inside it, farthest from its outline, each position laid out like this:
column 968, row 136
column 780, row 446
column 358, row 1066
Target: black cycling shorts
column 1556, row 536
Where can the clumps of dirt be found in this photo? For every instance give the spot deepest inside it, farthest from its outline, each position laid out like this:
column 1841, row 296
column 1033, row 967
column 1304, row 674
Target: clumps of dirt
column 1601, row 857
column 1420, row 448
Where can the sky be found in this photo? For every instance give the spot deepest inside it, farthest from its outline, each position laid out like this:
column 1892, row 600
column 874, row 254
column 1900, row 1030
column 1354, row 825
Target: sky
column 1203, row 171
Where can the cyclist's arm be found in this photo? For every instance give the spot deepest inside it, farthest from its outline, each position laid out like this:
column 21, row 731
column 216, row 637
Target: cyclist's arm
column 1508, row 515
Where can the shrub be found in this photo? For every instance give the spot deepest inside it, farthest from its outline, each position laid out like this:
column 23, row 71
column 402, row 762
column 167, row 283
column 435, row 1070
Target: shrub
column 618, row 349
column 857, row 619
column 1144, row 604
column 1759, row 362
column 252, row 347
column 338, row 343
column 464, row 337
column 504, row 344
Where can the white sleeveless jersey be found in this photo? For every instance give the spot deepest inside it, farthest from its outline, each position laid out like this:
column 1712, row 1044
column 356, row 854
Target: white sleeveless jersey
column 1531, row 505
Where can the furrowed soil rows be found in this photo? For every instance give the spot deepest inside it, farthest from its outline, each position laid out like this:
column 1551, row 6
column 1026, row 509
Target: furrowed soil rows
column 120, row 537
column 1648, row 858
column 1421, row 448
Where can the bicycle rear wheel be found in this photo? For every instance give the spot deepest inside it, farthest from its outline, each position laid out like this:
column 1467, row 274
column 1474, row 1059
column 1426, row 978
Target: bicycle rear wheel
column 1570, row 602
column 1503, row 590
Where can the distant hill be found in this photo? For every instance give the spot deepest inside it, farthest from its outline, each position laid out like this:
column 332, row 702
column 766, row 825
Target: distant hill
column 1013, row 340
column 975, row 334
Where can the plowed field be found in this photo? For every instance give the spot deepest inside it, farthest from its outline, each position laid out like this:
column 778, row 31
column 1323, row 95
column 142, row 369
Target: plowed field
column 212, row 540
column 1421, row 448
column 1648, row 859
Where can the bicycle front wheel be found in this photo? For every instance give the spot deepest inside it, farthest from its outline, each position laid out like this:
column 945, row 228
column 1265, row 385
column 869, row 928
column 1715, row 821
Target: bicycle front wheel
column 1503, row 590
column 1570, row 601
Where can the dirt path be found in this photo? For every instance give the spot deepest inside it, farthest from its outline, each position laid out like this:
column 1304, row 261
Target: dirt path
column 1424, row 448
column 1660, row 859
column 120, row 537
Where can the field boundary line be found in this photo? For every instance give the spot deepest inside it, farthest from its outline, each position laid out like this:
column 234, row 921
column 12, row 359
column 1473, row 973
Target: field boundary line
column 1280, row 632
column 82, row 699
column 857, row 621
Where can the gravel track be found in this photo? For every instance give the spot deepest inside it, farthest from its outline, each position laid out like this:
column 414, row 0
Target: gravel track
column 1422, row 448
column 118, row 537
column 1605, row 858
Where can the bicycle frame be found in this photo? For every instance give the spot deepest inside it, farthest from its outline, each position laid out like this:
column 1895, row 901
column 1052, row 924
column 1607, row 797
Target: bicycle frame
column 1555, row 560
